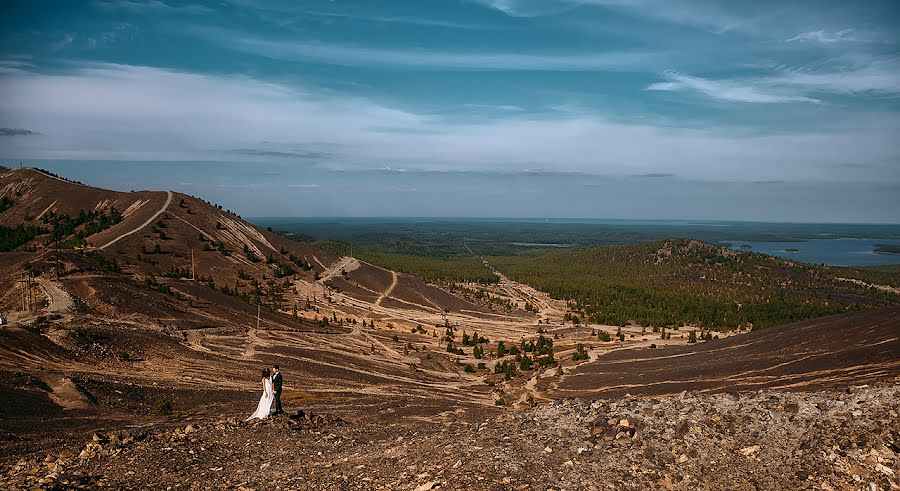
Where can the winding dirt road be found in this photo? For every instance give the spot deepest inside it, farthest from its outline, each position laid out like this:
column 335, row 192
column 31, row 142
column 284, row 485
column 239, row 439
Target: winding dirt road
column 389, row 289
column 59, row 300
column 145, row 224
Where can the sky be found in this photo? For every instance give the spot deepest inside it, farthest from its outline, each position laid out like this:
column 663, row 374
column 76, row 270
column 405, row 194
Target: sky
column 660, row 109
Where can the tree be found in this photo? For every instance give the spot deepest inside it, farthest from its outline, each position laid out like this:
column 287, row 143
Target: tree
column 580, row 353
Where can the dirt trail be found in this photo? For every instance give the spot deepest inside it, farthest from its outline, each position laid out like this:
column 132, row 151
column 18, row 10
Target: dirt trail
column 59, row 300
column 389, row 290
column 145, row 224
column 252, row 343
column 344, row 264
column 884, row 288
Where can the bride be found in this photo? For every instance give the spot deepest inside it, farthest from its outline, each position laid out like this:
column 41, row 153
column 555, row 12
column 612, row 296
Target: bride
column 265, row 401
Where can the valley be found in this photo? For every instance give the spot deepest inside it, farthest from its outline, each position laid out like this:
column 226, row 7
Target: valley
column 153, row 311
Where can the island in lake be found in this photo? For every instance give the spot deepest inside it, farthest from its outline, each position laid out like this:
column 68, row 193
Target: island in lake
column 886, row 249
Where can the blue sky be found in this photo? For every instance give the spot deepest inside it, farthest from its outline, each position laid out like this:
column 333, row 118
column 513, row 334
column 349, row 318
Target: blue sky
column 562, row 108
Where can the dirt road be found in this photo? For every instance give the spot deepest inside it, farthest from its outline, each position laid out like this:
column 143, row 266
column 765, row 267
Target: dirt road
column 143, row 225
column 389, row 289
column 59, row 300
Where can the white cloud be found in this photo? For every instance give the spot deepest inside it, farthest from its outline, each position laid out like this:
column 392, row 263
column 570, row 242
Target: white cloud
column 858, row 76
column 726, row 90
column 62, row 43
column 706, row 15
column 529, row 8
column 855, row 77
column 149, row 6
column 404, row 58
column 116, row 112
column 825, row 37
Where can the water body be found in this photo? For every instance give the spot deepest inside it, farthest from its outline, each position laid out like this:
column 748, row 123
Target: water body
column 833, row 252
column 829, row 243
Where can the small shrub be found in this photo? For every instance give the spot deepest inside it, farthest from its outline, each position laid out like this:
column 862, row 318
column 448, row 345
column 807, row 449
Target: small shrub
column 580, row 353
column 162, row 407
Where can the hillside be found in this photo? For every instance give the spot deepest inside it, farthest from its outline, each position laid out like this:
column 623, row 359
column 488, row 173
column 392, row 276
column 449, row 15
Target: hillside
column 116, row 311
column 682, row 282
column 140, row 355
column 160, row 237
column 859, row 347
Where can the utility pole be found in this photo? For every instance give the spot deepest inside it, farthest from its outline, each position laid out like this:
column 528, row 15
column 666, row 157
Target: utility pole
column 56, row 256
column 28, row 302
column 257, row 317
column 193, row 267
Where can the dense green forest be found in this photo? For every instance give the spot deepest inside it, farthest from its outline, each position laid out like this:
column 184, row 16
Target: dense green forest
column 888, row 274
column 12, row 237
column 681, row 282
column 67, row 232
column 626, row 279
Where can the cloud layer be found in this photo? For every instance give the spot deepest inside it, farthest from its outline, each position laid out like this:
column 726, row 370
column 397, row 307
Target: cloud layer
column 142, row 113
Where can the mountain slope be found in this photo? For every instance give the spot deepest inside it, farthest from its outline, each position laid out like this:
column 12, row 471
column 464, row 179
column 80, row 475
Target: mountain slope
column 855, row 348
column 686, row 282
column 155, row 234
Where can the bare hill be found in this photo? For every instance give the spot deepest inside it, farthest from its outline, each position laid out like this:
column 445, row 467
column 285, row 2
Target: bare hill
column 172, row 235
column 127, row 336
column 826, row 352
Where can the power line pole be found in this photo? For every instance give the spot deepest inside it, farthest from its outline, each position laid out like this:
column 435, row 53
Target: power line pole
column 193, row 267
column 56, row 256
column 28, row 302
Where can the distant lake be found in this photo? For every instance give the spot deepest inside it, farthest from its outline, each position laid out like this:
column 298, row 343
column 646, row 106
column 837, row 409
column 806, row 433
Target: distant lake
column 834, row 252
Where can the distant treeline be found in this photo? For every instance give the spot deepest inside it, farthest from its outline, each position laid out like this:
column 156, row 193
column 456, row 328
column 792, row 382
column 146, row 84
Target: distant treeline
column 681, row 282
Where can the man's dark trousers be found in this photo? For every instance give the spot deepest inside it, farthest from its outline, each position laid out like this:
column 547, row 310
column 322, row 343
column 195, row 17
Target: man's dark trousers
column 276, row 387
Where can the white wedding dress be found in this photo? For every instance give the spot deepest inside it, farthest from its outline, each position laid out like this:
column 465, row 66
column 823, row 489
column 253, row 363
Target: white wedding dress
column 265, row 401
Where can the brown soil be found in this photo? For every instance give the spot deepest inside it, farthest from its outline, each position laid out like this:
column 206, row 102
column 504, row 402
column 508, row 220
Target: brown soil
column 818, row 353
column 396, row 410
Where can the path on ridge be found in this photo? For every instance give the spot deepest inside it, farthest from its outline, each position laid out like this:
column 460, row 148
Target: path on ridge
column 148, row 222
column 389, row 290
column 344, row 265
column 59, row 301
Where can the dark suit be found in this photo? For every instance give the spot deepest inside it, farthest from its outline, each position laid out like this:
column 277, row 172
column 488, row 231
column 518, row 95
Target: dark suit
column 276, row 387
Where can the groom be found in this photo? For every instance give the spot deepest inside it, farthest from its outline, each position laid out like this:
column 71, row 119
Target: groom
column 276, row 387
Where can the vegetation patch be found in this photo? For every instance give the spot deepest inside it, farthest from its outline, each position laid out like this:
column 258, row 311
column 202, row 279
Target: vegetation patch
column 12, row 237
column 683, row 282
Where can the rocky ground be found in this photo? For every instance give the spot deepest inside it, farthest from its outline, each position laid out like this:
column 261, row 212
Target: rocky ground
column 839, row 439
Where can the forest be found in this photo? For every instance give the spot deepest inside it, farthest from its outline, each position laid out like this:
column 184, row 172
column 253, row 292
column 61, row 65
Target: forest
column 630, row 277
column 684, row 282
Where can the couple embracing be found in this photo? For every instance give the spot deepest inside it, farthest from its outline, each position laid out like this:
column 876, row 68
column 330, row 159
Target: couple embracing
column 271, row 396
